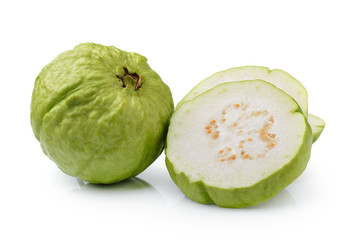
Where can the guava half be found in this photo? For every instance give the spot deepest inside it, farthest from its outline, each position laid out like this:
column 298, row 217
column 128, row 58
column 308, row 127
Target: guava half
column 317, row 126
column 101, row 114
column 279, row 78
column 237, row 144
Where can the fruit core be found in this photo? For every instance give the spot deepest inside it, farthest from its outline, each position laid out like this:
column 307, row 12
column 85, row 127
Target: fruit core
column 132, row 76
column 243, row 134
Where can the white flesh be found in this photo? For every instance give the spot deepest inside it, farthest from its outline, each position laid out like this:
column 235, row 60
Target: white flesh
column 277, row 77
column 253, row 110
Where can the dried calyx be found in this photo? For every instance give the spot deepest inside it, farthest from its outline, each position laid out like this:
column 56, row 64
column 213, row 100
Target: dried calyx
column 132, row 76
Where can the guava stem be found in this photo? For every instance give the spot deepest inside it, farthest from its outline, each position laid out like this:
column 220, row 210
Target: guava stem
column 133, row 76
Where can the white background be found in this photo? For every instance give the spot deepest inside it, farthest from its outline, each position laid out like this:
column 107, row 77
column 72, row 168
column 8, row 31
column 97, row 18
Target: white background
column 185, row 41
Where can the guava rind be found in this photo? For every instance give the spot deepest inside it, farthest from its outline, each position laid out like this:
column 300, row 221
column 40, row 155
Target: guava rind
column 279, row 78
column 317, row 126
column 89, row 124
column 240, row 197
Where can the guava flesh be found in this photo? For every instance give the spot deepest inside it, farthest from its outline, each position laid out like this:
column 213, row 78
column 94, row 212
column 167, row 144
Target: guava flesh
column 237, row 144
column 101, row 114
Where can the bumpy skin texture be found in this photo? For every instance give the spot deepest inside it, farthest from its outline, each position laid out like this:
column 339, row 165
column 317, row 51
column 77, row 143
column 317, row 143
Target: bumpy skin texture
column 247, row 196
column 92, row 126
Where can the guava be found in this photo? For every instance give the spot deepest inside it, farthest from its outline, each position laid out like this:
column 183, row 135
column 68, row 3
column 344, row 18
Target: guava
column 237, row 144
column 279, row 78
column 100, row 113
column 317, row 126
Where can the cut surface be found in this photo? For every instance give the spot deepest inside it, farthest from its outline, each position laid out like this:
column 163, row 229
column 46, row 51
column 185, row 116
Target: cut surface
column 317, row 126
column 235, row 134
column 279, row 78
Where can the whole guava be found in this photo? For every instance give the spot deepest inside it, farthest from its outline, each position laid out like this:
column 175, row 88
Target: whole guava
column 100, row 113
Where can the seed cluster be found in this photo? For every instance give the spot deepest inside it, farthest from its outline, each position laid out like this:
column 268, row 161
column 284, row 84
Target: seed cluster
column 267, row 137
column 226, row 154
column 211, row 129
column 244, row 138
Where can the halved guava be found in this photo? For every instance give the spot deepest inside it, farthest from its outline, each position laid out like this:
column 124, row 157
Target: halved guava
column 317, row 126
column 237, row 144
column 279, row 78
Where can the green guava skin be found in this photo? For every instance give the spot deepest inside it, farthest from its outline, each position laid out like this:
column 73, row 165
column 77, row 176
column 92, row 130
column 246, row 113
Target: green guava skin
column 94, row 125
column 262, row 191
column 317, row 126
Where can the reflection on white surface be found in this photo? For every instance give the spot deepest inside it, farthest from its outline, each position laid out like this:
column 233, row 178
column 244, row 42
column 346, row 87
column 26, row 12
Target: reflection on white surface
column 281, row 200
column 130, row 190
column 128, row 184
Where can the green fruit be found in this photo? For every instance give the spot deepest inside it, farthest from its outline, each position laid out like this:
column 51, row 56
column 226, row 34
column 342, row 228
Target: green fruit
column 237, row 144
column 317, row 126
column 101, row 114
